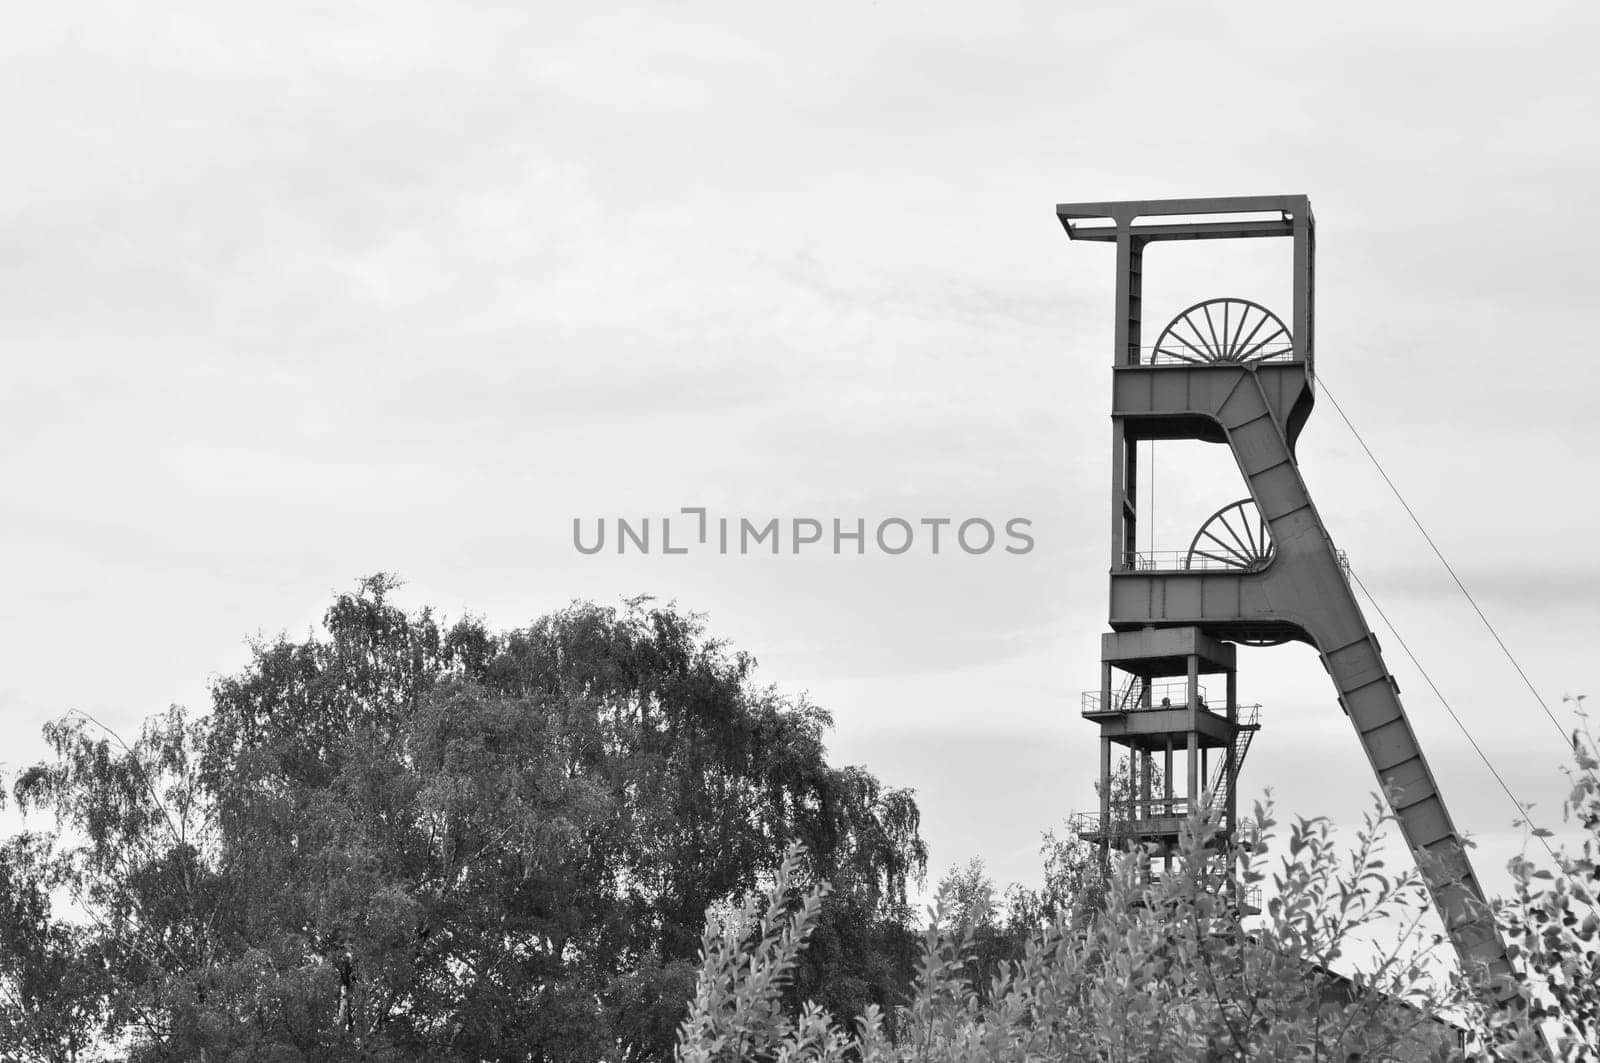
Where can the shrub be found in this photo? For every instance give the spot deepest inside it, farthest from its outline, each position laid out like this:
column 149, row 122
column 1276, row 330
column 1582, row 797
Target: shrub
column 1163, row 971
column 1552, row 933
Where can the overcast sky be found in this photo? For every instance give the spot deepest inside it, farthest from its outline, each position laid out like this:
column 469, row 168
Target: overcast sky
column 293, row 293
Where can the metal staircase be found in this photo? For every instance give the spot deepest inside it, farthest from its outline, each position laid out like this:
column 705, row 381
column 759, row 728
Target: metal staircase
column 1248, row 727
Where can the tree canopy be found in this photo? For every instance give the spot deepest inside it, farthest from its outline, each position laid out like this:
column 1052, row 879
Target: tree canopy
column 402, row 840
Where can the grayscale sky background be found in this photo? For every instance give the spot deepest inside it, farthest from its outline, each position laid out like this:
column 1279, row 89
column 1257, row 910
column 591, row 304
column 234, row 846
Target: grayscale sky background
column 293, row 293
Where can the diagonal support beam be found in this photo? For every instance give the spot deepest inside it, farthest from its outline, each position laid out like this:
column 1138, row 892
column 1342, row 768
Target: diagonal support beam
column 1303, row 595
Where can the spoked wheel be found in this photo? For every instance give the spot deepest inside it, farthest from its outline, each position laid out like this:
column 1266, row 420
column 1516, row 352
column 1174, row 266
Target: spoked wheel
column 1224, row 330
column 1235, row 537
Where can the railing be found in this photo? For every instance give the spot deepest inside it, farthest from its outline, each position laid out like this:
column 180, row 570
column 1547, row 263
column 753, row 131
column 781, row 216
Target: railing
column 1165, row 697
column 1175, row 561
column 1276, row 352
column 1154, row 816
column 1184, row 561
column 1130, row 817
column 1250, row 901
column 1131, row 699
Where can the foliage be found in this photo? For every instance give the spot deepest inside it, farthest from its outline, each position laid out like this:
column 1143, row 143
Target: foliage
column 1154, row 973
column 1075, row 877
column 406, row 841
column 1171, row 972
column 997, row 928
column 1552, row 932
column 52, row 986
column 966, row 899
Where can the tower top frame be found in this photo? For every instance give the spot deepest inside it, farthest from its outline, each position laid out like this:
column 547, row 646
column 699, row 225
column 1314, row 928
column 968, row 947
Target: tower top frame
column 1133, row 223
column 1132, row 215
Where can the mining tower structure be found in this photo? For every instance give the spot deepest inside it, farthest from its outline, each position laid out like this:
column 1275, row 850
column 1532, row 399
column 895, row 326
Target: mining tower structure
column 1261, row 571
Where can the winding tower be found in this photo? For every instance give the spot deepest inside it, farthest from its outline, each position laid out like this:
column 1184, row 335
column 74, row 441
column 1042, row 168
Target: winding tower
column 1261, row 571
